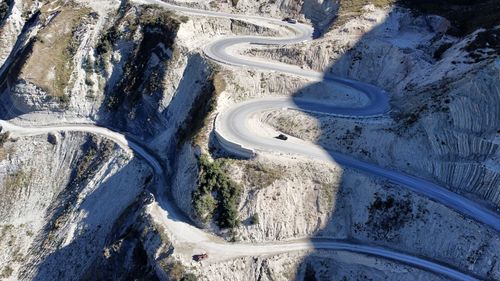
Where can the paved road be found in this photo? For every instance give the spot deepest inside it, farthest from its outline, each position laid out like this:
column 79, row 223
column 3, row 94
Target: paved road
column 183, row 232
column 232, row 127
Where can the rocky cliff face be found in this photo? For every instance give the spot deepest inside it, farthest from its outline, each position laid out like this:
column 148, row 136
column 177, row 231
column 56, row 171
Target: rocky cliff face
column 58, row 192
column 440, row 92
column 75, row 206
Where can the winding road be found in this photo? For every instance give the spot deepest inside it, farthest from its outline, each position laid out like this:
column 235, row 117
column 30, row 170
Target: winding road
column 235, row 136
column 234, row 133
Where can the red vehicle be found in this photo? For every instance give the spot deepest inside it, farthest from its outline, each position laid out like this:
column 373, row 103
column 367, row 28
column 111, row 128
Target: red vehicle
column 200, row 257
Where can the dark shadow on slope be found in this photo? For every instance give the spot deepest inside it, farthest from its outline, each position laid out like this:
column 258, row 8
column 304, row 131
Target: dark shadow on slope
column 133, row 100
column 390, row 206
column 321, row 14
column 102, row 208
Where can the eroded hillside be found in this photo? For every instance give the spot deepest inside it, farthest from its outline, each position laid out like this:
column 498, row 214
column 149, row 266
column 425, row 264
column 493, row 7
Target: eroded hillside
column 110, row 154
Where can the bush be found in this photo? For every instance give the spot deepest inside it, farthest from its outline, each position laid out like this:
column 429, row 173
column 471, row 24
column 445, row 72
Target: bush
column 189, row 277
column 255, row 219
column 177, row 272
column 213, row 183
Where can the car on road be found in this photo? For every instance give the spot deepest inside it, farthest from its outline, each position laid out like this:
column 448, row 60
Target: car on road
column 200, row 257
column 282, row 137
column 290, row 20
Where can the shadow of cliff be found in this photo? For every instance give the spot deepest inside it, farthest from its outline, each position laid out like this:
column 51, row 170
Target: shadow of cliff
column 391, row 209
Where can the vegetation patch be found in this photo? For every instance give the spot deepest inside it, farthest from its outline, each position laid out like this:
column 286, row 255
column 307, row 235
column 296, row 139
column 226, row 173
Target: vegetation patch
column 94, row 153
column 177, row 272
column 216, row 196
column 50, row 64
column 4, row 137
column 327, row 193
column 486, row 45
column 17, row 180
column 254, row 219
column 6, row 272
column 260, row 175
column 353, row 8
column 387, row 215
column 159, row 27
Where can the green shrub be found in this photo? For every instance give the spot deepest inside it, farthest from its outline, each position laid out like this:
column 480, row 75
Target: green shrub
column 189, row 277
column 255, row 219
column 213, row 183
column 177, row 272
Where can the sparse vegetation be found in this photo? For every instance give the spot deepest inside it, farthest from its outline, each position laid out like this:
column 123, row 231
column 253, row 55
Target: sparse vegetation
column 200, row 110
column 353, row 8
column 177, row 272
column 3, row 138
column 485, row 45
column 159, row 27
column 254, row 219
column 50, row 64
column 327, row 193
column 84, row 165
column 260, row 175
column 215, row 185
column 16, row 180
column 386, row 215
column 6, row 272
column 200, row 113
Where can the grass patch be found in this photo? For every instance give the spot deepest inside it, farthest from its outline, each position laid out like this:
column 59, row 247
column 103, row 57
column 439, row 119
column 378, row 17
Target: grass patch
column 352, row 8
column 217, row 196
column 50, row 64
column 327, row 193
column 176, row 271
column 17, row 180
column 260, row 176
column 84, row 165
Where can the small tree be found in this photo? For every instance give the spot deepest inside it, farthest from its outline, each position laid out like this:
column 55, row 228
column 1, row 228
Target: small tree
column 255, row 219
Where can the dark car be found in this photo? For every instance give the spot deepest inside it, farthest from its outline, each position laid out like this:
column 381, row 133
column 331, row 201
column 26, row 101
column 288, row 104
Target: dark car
column 282, row 137
column 200, row 257
column 290, row 20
